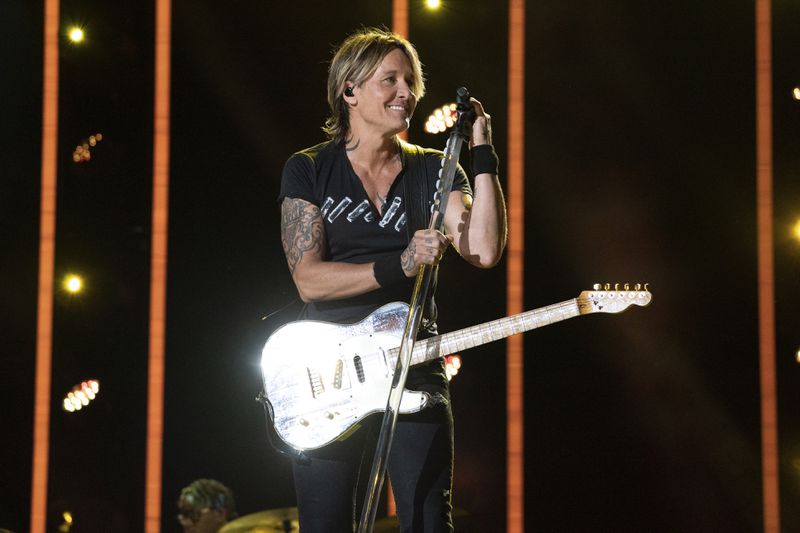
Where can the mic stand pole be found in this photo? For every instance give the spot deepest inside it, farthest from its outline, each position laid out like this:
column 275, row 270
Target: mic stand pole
column 460, row 133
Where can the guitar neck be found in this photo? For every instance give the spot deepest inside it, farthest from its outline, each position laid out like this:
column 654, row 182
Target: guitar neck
column 463, row 339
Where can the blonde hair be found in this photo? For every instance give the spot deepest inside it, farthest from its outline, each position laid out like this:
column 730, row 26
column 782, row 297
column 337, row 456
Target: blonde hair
column 355, row 60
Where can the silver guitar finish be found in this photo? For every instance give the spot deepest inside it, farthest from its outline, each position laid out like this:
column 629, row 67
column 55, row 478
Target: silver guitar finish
column 321, row 379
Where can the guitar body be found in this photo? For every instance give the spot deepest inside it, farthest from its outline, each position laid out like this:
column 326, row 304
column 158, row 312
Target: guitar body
column 322, row 379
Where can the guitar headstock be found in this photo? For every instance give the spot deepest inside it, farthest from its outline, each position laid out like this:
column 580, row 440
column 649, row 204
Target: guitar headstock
column 605, row 299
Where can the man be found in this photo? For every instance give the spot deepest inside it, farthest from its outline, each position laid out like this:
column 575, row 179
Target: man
column 204, row 506
column 352, row 246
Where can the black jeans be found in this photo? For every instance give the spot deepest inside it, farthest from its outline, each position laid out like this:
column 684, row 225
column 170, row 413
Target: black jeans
column 420, row 469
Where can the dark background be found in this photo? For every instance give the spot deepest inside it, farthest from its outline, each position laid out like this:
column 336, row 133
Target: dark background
column 640, row 167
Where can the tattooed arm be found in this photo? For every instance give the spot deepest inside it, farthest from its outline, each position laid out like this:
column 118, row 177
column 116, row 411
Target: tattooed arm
column 303, row 239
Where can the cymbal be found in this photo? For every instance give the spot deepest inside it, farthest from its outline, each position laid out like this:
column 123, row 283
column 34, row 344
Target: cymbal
column 271, row 521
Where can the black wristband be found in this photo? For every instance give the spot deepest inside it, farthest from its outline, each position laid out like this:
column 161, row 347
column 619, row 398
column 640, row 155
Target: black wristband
column 484, row 160
column 388, row 270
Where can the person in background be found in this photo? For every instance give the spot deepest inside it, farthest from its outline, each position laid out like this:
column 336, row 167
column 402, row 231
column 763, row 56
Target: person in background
column 204, row 506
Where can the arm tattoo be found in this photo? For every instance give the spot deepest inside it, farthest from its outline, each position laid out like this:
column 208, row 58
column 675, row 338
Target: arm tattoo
column 301, row 230
column 407, row 257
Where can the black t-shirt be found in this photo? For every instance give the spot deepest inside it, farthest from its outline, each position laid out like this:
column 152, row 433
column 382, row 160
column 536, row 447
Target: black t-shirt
column 356, row 232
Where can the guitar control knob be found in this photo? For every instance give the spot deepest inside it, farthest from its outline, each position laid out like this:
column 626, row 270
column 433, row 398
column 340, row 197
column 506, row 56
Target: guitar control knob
column 303, row 422
column 328, row 415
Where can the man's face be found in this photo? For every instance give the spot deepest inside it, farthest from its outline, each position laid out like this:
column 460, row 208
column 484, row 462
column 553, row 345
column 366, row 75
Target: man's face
column 386, row 101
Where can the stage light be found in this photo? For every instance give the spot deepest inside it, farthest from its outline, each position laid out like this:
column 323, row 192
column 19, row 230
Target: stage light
column 452, row 364
column 80, row 395
column 73, row 284
column 433, row 4
column 796, row 93
column 76, row 35
column 82, row 151
column 442, row 118
column 796, row 230
column 797, row 355
column 66, row 525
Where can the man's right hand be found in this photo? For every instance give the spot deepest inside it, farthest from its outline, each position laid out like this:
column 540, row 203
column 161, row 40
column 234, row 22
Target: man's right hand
column 426, row 248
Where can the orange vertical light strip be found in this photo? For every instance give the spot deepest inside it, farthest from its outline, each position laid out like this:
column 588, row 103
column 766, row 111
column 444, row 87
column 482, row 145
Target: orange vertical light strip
column 400, row 27
column 766, row 275
column 47, row 245
column 400, row 17
column 515, row 475
column 158, row 270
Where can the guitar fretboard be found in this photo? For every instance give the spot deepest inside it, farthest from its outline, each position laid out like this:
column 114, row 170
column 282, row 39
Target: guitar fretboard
column 464, row 339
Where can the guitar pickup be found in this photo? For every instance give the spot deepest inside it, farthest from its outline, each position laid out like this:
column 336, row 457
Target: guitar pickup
column 359, row 368
column 337, row 374
column 317, row 387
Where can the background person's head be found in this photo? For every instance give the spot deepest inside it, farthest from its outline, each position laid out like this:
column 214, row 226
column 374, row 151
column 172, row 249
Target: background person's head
column 205, row 505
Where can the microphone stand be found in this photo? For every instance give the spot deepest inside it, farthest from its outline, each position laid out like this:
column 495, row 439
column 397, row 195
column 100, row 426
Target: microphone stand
column 459, row 134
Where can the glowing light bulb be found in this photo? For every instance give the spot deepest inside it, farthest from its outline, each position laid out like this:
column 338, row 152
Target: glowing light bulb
column 433, row 4
column 452, row 365
column 442, row 118
column 76, row 35
column 73, row 283
column 81, row 395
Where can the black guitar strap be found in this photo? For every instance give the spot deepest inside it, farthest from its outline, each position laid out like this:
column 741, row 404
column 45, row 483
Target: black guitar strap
column 418, row 199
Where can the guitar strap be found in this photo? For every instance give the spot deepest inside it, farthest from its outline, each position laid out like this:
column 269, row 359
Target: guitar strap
column 418, row 201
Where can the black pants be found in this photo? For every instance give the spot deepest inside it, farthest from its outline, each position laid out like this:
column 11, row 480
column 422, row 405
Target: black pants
column 420, row 469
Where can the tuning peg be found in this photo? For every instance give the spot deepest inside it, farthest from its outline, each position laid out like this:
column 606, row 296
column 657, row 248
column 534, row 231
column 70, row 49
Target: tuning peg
column 616, row 286
column 608, row 286
column 638, row 287
column 597, row 286
column 627, row 287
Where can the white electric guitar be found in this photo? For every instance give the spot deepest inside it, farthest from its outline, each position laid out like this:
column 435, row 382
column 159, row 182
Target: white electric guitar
column 321, row 379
